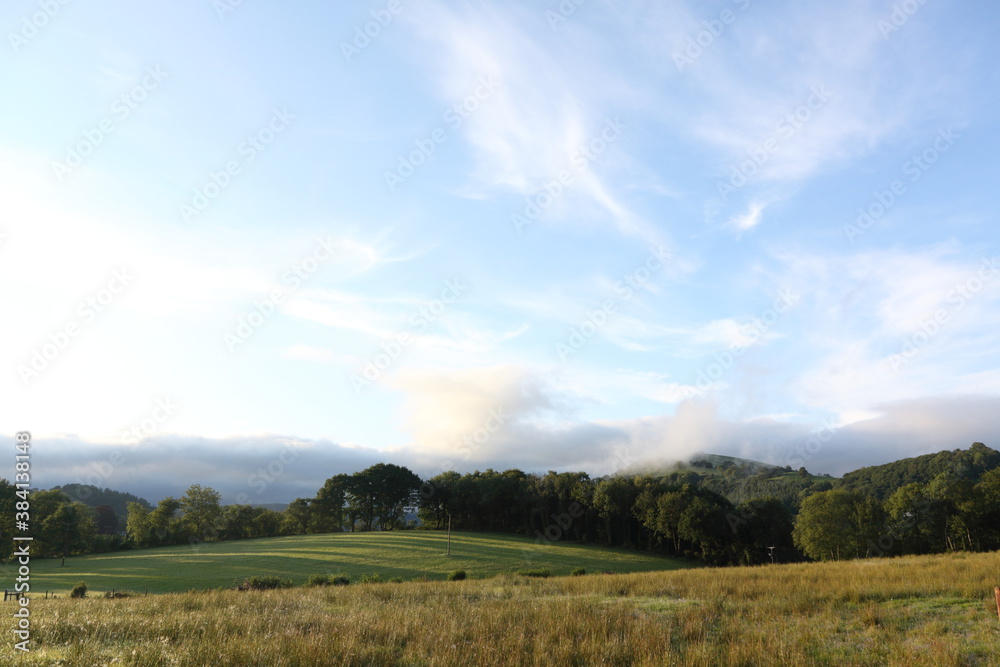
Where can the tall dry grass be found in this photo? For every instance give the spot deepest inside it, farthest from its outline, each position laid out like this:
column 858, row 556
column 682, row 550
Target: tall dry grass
column 936, row 610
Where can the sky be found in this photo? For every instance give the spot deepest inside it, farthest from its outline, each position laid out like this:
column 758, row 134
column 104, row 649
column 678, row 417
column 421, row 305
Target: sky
column 251, row 245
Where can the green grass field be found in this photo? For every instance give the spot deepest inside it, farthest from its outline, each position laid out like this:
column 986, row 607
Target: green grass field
column 406, row 554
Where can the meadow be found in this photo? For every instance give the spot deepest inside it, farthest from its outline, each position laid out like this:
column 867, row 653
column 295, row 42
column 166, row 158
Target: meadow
column 405, row 554
column 929, row 610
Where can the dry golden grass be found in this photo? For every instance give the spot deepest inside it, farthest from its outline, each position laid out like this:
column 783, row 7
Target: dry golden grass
column 935, row 610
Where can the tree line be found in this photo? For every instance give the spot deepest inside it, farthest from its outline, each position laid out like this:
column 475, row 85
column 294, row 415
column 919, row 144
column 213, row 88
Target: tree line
column 727, row 514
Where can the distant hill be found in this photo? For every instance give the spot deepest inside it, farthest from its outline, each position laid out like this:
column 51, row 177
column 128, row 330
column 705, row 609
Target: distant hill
column 702, row 463
column 717, row 461
column 881, row 481
column 739, row 480
column 93, row 496
column 743, row 479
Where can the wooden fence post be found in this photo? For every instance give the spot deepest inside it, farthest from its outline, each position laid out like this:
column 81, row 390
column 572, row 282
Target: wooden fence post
column 996, row 592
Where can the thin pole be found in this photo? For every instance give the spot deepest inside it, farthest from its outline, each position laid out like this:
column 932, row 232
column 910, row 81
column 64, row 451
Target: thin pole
column 996, row 592
column 449, row 540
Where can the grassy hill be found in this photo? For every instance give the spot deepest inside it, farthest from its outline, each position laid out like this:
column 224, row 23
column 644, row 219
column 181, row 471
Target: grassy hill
column 406, row 554
column 915, row 611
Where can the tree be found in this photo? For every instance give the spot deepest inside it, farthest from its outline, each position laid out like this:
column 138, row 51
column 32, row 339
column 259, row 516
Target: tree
column 139, row 525
column 670, row 508
column 202, row 512
column 437, row 499
column 72, row 527
column 266, row 523
column 237, row 522
column 382, row 493
column 163, row 523
column 49, row 537
column 613, row 501
column 913, row 521
column 955, row 498
column 988, row 492
column 296, row 517
column 8, row 507
column 760, row 524
column 838, row 524
column 703, row 523
column 328, row 515
column 107, row 520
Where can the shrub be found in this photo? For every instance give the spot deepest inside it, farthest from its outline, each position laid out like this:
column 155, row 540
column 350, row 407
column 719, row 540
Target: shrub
column 457, row 575
column 534, row 573
column 79, row 591
column 265, row 582
column 374, row 578
column 396, row 580
column 578, row 572
column 341, row 579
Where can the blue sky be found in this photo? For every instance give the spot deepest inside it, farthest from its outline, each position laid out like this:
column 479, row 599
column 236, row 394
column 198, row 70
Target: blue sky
column 576, row 236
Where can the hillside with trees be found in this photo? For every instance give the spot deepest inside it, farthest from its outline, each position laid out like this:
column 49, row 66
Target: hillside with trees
column 719, row 512
column 881, row 481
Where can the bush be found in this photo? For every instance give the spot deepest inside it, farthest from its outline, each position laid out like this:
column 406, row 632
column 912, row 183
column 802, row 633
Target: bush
column 578, row 572
column 396, row 580
column 265, row 582
column 457, row 575
column 79, row 591
column 318, row 580
column 341, row 579
column 374, row 578
column 534, row 573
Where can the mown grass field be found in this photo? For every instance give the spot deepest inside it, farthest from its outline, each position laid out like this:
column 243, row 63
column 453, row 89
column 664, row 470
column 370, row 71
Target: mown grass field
column 933, row 610
column 406, row 554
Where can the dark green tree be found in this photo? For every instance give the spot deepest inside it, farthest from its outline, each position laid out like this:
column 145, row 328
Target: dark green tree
column 202, row 513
